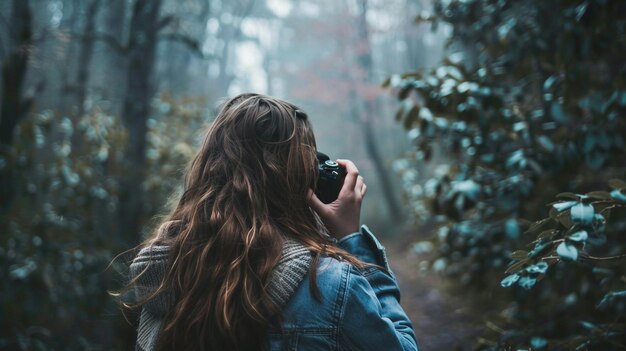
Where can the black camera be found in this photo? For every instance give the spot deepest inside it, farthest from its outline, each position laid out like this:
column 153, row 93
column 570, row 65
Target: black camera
column 330, row 180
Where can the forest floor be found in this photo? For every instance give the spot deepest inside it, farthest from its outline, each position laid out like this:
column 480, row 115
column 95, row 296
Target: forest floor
column 443, row 320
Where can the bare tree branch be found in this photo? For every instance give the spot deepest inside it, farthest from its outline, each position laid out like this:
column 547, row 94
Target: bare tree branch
column 166, row 21
column 3, row 51
column 189, row 42
column 5, row 24
column 106, row 38
column 112, row 42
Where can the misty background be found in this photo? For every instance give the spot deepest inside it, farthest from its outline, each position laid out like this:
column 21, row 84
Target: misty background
column 122, row 58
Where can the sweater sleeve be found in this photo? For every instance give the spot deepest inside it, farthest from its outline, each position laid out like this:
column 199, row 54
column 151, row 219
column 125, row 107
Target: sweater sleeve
column 373, row 318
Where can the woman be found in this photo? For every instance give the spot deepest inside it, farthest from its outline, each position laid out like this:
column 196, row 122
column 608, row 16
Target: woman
column 251, row 259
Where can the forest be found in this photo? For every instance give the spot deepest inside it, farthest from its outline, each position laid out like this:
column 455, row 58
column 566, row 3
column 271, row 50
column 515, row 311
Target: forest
column 490, row 133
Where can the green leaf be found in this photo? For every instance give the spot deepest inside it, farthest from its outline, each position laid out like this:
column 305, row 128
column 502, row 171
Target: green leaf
column 519, row 255
column 554, row 213
column 516, row 266
column 539, row 268
column 618, row 195
column 568, row 196
column 527, row 282
column 536, row 226
column 411, row 117
column 404, row 92
column 562, row 206
column 617, row 184
column 601, row 207
column 603, row 271
column 567, row 251
column 414, row 75
column 399, row 113
column 546, row 234
column 22, row 271
column 610, row 297
column 469, row 188
column 582, row 214
column 538, row 343
column 547, row 85
column 558, row 113
column 580, row 10
column 509, row 280
column 540, row 247
column 600, row 195
column 589, row 325
column 579, row 236
column 565, row 220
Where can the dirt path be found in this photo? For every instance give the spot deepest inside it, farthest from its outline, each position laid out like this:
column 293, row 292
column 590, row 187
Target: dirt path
column 442, row 322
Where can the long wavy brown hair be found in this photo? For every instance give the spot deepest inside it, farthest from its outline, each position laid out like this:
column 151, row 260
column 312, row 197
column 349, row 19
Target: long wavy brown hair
column 245, row 190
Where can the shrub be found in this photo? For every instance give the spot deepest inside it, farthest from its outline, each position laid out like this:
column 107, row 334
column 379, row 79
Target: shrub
column 527, row 103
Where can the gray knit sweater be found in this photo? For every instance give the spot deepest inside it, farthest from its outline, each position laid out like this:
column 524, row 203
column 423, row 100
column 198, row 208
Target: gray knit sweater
column 285, row 279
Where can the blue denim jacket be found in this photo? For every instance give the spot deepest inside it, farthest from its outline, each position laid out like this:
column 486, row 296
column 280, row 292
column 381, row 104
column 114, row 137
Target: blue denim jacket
column 359, row 309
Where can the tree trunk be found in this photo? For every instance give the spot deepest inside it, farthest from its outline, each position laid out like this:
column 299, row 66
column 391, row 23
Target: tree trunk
column 364, row 117
column 14, row 106
column 114, row 62
column 71, row 23
column 139, row 92
column 85, row 56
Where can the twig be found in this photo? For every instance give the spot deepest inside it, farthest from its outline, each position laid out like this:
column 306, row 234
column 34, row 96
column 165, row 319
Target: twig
column 551, row 258
column 589, row 257
column 166, row 21
column 189, row 42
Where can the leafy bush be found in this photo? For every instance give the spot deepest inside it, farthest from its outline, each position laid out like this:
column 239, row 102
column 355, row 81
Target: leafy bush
column 585, row 306
column 529, row 102
column 59, row 237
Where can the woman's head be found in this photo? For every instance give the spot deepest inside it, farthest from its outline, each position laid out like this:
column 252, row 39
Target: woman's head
column 264, row 147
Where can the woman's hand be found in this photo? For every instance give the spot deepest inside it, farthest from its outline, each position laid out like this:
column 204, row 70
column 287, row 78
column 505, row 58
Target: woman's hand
column 342, row 216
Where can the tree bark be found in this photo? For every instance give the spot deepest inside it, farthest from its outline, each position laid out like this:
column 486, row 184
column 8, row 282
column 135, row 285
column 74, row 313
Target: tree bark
column 363, row 114
column 14, row 106
column 85, row 56
column 70, row 22
column 136, row 109
column 114, row 62
column 178, row 63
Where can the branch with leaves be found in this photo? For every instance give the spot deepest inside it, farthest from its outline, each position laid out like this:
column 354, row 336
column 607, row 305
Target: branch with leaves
column 571, row 236
column 576, row 221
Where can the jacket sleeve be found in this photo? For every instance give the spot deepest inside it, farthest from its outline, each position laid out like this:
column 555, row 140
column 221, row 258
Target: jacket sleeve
column 373, row 318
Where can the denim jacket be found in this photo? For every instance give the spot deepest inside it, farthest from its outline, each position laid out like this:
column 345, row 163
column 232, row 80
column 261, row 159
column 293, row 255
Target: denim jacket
column 359, row 309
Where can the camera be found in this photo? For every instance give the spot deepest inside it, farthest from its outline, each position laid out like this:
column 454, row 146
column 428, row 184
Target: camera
column 330, row 179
